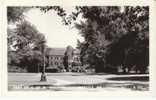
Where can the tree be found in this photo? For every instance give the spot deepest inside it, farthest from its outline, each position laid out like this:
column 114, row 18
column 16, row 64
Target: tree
column 113, row 35
column 15, row 14
column 97, row 34
column 29, row 45
column 65, row 62
column 133, row 46
column 68, row 57
column 27, row 42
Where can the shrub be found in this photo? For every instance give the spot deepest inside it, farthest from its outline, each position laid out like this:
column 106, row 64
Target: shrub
column 16, row 69
column 52, row 70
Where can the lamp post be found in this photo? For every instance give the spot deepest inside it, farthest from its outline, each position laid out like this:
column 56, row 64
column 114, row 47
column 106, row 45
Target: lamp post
column 43, row 75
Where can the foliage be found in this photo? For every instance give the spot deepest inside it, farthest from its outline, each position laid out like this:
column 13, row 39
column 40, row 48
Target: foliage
column 25, row 44
column 114, row 35
column 133, row 48
column 68, row 56
column 60, row 12
column 15, row 14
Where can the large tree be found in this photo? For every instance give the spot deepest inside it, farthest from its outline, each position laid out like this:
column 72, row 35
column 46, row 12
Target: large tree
column 28, row 44
column 132, row 49
column 25, row 42
column 116, row 37
column 100, row 30
column 113, row 35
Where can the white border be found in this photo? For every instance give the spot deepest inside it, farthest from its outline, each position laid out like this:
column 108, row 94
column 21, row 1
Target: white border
column 4, row 75
column 77, row 2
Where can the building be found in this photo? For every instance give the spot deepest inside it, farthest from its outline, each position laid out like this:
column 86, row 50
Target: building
column 55, row 57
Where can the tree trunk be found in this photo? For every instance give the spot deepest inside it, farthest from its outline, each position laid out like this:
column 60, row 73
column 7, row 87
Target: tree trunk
column 43, row 75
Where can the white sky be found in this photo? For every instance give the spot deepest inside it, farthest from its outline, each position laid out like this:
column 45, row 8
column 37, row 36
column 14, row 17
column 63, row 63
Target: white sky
column 57, row 34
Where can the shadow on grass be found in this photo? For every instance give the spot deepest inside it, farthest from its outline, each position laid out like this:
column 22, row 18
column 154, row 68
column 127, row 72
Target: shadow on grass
column 75, row 74
column 131, row 86
column 97, row 73
column 130, row 78
column 104, row 85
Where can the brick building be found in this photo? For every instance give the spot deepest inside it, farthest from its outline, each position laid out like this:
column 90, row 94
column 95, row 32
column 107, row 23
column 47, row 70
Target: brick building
column 55, row 57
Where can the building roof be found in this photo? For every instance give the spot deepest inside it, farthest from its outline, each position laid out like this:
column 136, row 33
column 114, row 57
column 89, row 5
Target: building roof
column 55, row 51
column 59, row 51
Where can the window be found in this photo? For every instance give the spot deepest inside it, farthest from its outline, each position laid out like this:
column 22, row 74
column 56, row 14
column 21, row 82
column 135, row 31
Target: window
column 56, row 63
column 52, row 63
column 56, row 58
column 61, row 58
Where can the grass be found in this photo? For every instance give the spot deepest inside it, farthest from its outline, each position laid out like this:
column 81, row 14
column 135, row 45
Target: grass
column 130, row 78
column 79, row 80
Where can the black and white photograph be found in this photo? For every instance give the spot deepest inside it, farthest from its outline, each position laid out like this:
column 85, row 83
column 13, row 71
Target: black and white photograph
column 78, row 48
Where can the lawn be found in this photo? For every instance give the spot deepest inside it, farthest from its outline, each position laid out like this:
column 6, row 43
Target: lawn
column 72, row 81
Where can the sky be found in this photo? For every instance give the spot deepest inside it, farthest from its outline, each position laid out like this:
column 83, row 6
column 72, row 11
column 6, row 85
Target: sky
column 57, row 34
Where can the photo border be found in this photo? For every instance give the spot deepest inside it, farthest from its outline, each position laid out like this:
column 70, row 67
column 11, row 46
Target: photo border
column 152, row 16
